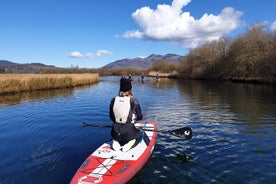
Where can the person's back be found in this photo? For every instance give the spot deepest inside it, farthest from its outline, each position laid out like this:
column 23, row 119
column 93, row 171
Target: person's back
column 124, row 111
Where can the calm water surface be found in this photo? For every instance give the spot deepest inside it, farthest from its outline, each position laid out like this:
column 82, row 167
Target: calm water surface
column 234, row 127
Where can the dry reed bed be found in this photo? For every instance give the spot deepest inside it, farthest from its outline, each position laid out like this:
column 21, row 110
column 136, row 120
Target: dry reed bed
column 15, row 83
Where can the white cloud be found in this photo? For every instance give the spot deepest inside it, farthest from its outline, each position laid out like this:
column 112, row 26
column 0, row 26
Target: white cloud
column 99, row 53
column 103, row 53
column 89, row 55
column 273, row 26
column 170, row 23
column 75, row 54
column 133, row 34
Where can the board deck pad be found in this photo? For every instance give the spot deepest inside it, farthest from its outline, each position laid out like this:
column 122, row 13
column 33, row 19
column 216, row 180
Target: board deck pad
column 106, row 165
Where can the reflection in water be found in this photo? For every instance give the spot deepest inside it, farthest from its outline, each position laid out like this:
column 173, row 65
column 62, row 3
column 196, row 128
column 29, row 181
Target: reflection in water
column 234, row 131
column 163, row 83
column 233, row 124
column 247, row 100
column 14, row 99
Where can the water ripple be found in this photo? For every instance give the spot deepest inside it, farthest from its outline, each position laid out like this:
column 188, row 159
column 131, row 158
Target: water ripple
column 233, row 140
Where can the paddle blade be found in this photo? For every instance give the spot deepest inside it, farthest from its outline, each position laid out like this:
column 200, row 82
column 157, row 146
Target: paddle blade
column 185, row 132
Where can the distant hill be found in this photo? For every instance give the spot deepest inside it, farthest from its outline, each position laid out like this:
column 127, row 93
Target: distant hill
column 7, row 63
column 11, row 67
column 143, row 63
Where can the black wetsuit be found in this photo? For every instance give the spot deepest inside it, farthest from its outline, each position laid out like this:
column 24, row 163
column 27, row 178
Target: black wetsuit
column 124, row 132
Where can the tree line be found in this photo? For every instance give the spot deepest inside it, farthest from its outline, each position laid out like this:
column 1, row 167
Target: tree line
column 249, row 57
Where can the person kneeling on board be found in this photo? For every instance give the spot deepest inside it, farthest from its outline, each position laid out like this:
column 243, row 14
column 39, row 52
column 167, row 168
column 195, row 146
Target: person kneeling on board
column 124, row 110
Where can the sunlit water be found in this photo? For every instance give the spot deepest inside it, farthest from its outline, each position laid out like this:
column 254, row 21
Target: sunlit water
column 234, row 132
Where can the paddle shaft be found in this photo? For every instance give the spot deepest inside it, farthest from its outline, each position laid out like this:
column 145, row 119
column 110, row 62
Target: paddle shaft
column 110, row 126
column 185, row 132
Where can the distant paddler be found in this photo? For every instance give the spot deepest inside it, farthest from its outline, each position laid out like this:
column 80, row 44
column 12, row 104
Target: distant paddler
column 142, row 77
column 157, row 78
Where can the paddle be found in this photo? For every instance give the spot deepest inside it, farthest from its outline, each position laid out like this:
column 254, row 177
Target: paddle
column 184, row 132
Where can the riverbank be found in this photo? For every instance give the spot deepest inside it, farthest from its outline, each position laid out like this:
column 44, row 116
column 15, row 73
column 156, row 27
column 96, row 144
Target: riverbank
column 15, row 83
column 252, row 80
column 173, row 74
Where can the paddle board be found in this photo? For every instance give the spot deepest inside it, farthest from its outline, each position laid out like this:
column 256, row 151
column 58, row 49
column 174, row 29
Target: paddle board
column 106, row 165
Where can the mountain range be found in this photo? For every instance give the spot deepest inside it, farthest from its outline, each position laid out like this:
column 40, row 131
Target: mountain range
column 139, row 62
column 8, row 66
column 143, row 62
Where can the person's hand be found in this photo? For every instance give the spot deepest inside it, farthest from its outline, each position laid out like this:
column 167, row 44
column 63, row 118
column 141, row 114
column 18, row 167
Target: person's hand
column 133, row 119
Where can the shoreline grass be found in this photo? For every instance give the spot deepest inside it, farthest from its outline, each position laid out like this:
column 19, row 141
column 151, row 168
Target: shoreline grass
column 16, row 83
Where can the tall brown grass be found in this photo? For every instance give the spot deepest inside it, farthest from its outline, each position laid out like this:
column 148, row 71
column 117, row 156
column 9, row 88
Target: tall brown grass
column 15, row 83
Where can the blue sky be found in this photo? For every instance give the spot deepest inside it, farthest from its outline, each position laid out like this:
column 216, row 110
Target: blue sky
column 93, row 33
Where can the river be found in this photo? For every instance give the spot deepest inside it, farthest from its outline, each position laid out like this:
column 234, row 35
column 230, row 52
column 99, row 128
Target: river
column 234, row 131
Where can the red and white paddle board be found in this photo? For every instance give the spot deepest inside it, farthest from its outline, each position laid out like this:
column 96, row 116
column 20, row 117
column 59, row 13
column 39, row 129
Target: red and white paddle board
column 106, row 165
